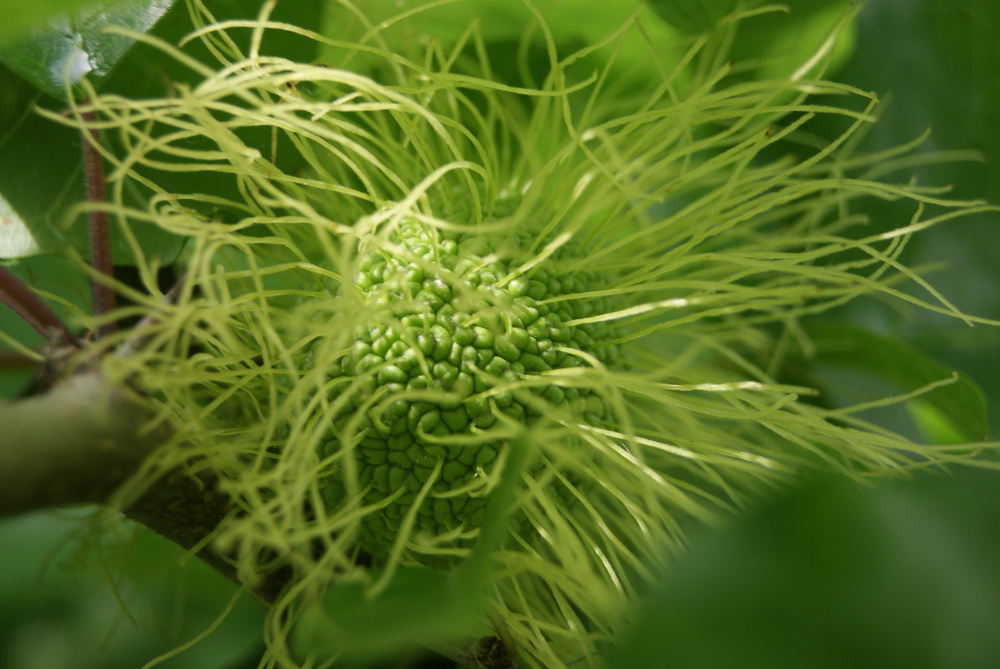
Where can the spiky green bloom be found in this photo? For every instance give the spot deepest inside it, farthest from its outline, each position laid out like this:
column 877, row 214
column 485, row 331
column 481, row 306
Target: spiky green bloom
column 471, row 329
column 617, row 271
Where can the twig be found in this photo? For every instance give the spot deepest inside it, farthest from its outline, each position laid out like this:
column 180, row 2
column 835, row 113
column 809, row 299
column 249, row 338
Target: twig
column 31, row 308
column 100, row 235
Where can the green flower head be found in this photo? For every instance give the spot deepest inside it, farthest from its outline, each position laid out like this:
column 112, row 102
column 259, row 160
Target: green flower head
column 470, row 329
column 442, row 303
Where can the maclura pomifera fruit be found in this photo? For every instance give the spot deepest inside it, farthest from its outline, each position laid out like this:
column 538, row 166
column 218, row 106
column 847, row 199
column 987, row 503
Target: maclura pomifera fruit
column 468, row 333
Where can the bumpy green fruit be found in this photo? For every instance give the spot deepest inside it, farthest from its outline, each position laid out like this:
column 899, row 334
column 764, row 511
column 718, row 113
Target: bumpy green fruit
column 456, row 337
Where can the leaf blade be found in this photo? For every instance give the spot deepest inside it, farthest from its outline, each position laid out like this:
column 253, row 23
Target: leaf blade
column 835, row 576
column 56, row 56
column 905, row 368
column 693, row 16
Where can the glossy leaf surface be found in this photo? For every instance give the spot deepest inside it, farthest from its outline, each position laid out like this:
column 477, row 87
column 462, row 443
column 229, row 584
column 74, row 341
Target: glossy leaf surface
column 19, row 16
column 56, row 56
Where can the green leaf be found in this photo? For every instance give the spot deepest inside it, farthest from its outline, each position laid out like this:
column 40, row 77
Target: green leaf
column 934, row 423
column 19, row 15
column 421, row 606
column 906, row 369
column 936, row 64
column 41, row 177
column 55, row 57
column 779, row 42
column 835, row 577
column 60, row 608
column 15, row 238
column 503, row 24
column 41, row 173
column 693, row 16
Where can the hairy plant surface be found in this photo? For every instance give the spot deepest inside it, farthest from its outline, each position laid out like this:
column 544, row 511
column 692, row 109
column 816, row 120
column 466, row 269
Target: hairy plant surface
column 611, row 274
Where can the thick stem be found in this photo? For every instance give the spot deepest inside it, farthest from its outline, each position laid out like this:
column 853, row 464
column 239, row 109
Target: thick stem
column 78, row 442
column 100, row 234
column 75, row 444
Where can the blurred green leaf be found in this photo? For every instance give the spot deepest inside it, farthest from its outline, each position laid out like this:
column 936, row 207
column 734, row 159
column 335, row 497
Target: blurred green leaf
column 503, row 24
column 934, row 423
column 41, row 176
column 777, row 43
column 960, row 404
column 420, row 606
column 836, row 577
column 74, row 598
column 693, row 16
column 55, row 57
column 936, row 63
column 40, row 169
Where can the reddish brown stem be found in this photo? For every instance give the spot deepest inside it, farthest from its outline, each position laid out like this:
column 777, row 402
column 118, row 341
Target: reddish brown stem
column 12, row 362
column 100, row 235
column 31, row 308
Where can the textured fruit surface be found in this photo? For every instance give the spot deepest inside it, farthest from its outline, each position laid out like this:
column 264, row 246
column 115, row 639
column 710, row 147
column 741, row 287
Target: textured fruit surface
column 463, row 338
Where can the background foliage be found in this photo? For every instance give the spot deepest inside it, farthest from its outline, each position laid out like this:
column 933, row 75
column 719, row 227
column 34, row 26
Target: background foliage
column 936, row 64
